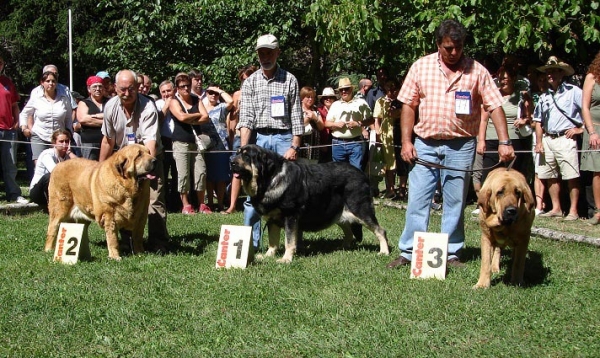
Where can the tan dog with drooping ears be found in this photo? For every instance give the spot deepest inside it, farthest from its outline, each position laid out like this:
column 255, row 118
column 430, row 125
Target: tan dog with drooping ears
column 506, row 214
column 115, row 193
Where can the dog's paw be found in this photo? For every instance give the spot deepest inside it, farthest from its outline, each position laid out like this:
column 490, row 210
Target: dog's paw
column 260, row 257
column 384, row 252
column 116, row 258
column 479, row 285
column 284, row 260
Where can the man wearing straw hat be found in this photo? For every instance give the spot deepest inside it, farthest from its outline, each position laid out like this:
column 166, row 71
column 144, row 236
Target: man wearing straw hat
column 345, row 119
column 558, row 113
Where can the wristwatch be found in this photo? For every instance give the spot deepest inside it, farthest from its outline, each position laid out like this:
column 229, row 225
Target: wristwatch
column 296, row 148
column 505, row 142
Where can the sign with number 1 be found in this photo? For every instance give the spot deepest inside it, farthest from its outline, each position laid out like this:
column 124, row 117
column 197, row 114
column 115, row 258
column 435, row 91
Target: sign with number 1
column 234, row 246
column 68, row 243
column 430, row 254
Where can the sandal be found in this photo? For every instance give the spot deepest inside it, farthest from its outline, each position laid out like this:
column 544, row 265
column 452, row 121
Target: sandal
column 188, row 210
column 594, row 220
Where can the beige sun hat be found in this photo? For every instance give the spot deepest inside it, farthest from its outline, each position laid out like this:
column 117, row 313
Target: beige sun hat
column 327, row 92
column 555, row 62
column 345, row 83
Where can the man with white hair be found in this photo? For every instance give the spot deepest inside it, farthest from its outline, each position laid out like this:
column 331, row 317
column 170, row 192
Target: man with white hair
column 131, row 118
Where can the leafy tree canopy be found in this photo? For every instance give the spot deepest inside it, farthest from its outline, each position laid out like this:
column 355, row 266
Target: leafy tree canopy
column 320, row 39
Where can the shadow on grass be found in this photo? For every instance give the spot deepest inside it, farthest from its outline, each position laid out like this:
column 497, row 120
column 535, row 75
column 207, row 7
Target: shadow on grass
column 536, row 273
column 326, row 245
column 176, row 245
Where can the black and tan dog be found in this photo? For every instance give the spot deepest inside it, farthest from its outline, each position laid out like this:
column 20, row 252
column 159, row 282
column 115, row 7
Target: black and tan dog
column 506, row 213
column 306, row 197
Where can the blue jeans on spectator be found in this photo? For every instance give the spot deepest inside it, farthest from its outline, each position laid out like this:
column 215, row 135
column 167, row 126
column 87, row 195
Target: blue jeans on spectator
column 9, row 164
column 345, row 151
column 422, row 182
column 279, row 143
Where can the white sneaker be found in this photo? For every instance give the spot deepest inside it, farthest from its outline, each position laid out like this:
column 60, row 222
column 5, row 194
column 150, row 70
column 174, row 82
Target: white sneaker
column 475, row 212
column 22, row 200
column 538, row 212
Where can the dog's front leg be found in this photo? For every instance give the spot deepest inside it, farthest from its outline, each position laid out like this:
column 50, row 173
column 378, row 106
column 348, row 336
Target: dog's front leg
column 274, row 233
column 291, row 239
column 518, row 266
column 496, row 259
column 485, row 273
column 112, row 238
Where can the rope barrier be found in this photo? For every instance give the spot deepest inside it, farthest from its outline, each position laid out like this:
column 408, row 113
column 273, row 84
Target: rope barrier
column 306, row 147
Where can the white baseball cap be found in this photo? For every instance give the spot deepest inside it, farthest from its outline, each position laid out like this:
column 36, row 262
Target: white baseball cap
column 267, row 41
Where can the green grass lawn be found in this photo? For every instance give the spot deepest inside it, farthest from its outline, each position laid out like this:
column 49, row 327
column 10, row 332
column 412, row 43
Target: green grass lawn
column 326, row 303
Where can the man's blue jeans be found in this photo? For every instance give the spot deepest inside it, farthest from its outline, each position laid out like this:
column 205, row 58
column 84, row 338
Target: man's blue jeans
column 351, row 152
column 279, row 143
column 422, row 182
column 9, row 164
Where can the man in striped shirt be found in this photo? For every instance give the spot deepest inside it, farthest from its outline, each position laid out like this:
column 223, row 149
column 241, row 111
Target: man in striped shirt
column 448, row 91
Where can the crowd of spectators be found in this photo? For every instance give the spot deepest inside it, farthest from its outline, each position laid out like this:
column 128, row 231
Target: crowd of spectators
column 552, row 127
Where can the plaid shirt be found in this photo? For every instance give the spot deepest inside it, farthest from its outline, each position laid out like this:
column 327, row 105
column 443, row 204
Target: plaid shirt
column 427, row 87
column 255, row 102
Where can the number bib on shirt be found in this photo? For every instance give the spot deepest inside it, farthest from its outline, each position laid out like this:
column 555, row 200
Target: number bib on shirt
column 462, row 102
column 277, row 106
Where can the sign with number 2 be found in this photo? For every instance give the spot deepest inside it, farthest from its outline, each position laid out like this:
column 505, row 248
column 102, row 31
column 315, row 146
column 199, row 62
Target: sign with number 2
column 68, row 243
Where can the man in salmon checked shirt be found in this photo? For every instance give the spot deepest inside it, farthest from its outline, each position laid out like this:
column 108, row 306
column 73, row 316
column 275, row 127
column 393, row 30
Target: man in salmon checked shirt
column 448, row 91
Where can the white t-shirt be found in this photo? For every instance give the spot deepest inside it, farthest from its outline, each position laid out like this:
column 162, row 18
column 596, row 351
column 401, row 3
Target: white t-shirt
column 45, row 164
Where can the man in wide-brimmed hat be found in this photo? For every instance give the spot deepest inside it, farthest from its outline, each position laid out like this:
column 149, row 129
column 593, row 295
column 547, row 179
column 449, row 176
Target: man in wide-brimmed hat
column 558, row 113
column 346, row 118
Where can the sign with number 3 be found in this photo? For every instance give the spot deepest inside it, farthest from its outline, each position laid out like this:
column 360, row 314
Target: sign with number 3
column 430, row 254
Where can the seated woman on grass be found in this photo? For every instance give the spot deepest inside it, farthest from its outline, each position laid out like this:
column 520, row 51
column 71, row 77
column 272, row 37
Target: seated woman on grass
column 60, row 151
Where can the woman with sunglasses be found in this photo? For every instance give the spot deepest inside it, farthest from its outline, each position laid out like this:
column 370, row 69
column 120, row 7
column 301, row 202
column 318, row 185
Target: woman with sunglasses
column 189, row 113
column 326, row 99
column 218, row 104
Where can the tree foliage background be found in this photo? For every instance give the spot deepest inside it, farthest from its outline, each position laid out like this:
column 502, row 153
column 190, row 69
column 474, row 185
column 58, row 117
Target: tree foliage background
column 320, row 39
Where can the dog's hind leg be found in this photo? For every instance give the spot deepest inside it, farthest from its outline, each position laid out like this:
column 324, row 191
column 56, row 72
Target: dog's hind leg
column 357, row 231
column 366, row 217
column 58, row 213
column 84, row 251
column 348, row 234
column 291, row 239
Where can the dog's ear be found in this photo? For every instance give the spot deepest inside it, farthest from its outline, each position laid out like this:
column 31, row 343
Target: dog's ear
column 120, row 164
column 483, row 198
column 528, row 198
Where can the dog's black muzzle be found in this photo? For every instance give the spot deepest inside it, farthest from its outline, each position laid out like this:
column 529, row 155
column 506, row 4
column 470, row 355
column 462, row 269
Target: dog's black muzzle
column 509, row 215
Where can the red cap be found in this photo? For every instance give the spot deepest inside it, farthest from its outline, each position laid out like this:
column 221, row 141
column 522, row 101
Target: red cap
column 94, row 79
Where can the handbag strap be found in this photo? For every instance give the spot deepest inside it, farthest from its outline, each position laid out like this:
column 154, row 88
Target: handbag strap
column 575, row 123
column 186, row 111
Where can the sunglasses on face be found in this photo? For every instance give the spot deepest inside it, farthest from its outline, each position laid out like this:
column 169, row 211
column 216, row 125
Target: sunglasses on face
column 212, row 93
column 184, row 86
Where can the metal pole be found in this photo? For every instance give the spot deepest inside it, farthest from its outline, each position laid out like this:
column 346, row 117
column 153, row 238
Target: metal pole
column 70, row 54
